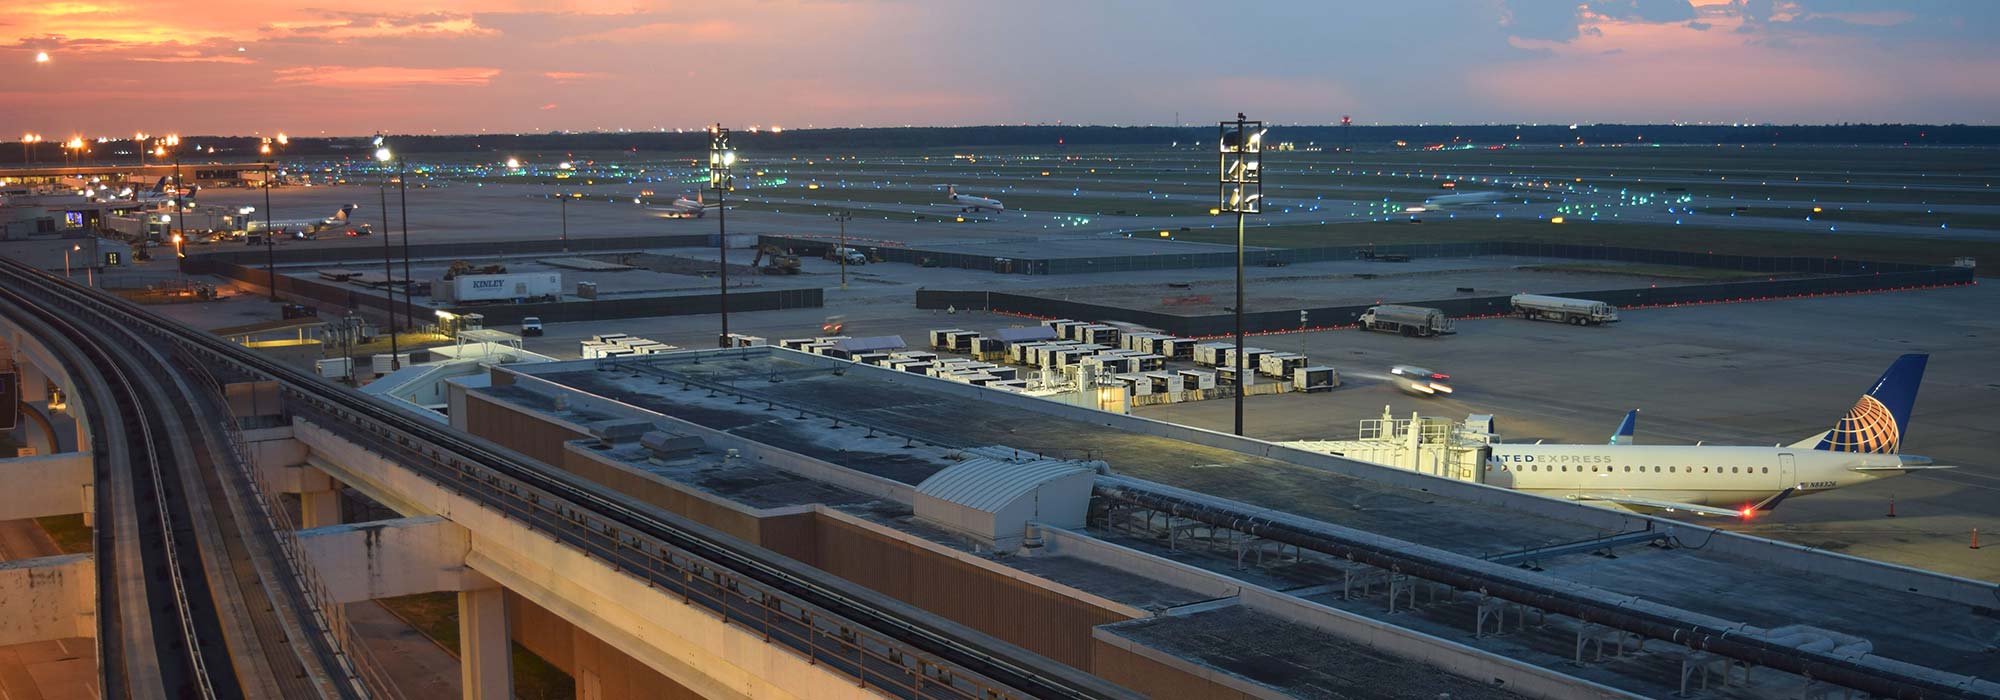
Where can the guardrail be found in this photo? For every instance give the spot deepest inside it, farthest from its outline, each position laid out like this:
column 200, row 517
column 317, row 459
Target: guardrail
column 875, row 641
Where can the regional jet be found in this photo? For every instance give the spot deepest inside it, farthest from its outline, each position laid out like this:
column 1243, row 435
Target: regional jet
column 969, row 203
column 684, row 208
column 302, row 227
column 1863, row 446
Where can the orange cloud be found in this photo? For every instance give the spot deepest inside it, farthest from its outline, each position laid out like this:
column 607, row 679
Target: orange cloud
column 386, row 76
column 567, row 77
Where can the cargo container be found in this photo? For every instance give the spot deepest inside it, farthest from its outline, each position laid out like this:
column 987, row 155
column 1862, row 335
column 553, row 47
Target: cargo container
column 989, row 349
column 1315, row 379
column 1576, row 312
column 1165, row 383
column 1279, row 365
column 941, row 336
column 1251, row 358
column 518, row 287
column 1136, row 384
column 960, row 341
column 1211, row 354
column 1411, row 321
column 1066, row 330
column 1098, row 334
column 1193, row 379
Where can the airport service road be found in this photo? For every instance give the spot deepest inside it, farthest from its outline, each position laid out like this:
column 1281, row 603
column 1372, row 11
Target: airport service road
column 1755, row 373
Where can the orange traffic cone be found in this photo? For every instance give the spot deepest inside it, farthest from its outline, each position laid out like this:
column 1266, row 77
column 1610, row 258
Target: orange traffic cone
column 1975, row 538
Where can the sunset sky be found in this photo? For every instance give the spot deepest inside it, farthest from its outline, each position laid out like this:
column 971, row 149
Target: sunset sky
column 241, row 67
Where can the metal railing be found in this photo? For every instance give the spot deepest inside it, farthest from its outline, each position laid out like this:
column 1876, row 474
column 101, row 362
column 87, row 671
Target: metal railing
column 872, row 640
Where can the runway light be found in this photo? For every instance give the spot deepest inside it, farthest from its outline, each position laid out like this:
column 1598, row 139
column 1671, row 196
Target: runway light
column 1555, row 219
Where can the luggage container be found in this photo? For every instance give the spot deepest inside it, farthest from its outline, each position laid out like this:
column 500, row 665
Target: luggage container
column 917, row 367
column 1251, row 356
column 938, row 337
column 989, row 349
column 794, row 343
column 1211, row 354
column 1139, row 341
column 1168, row 383
column 976, row 378
column 1014, row 385
column 1067, row 330
column 1279, row 365
column 1110, row 365
column 1136, row 384
column 960, row 341
column 870, row 358
column 915, row 355
column 1005, row 373
column 1226, row 376
column 1315, row 379
column 1149, row 362
column 1098, row 334
column 1192, row 379
column 1174, row 348
column 739, row 340
column 608, row 337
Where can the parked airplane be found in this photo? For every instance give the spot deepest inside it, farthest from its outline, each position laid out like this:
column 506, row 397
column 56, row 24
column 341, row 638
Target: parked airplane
column 969, row 203
column 1726, row 481
column 684, row 208
column 302, row 227
column 158, row 195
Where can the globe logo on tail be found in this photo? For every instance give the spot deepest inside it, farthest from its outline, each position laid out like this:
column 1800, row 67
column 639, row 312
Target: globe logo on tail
column 1868, row 427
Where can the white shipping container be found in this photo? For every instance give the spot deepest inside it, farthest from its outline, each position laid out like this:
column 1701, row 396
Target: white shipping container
column 520, row 285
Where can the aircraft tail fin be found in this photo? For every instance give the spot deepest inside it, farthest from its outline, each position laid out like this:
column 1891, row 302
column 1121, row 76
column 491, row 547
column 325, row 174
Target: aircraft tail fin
column 345, row 211
column 1625, row 429
column 161, row 186
column 1879, row 420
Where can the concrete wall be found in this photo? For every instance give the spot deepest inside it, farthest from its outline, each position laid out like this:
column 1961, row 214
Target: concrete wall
column 48, row 598
column 684, row 643
column 1162, row 676
column 601, row 671
column 390, row 558
column 45, row 485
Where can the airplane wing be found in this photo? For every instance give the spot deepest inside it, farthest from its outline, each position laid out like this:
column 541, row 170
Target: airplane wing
column 1647, row 504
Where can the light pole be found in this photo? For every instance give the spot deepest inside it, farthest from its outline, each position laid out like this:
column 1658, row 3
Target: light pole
column 72, row 248
column 1241, row 185
column 564, row 198
column 842, row 217
column 173, row 143
column 270, row 239
column 382, row 154
column 721, row 158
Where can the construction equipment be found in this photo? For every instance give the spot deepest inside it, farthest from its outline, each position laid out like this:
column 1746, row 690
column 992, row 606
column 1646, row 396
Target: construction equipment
column 782, row 263
column 461, row 267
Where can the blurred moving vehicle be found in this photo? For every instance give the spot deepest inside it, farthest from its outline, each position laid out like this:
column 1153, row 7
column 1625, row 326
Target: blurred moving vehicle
column 1420, row 381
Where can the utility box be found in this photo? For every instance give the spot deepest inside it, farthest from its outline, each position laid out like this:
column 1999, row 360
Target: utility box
column 1315, row 379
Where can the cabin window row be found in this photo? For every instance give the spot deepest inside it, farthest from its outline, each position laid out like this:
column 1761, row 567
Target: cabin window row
column 1629, row 468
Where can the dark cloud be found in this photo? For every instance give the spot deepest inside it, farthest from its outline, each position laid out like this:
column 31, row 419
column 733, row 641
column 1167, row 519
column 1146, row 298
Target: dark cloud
column 1699, row 26
column 1643, row 10
column 1555, row 20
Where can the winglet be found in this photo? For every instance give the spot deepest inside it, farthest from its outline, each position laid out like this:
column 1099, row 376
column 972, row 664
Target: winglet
column 1624, row 434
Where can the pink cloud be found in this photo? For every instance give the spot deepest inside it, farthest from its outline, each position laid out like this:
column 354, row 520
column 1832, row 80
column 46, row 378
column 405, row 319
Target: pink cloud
column 386, row 76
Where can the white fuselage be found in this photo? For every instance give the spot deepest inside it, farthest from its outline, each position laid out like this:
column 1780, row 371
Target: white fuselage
column 1700, row 475
column 971, row 203
column 1463, row 199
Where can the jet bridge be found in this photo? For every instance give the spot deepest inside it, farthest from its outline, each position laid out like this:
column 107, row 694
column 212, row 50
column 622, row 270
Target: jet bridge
column 1431, row 445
